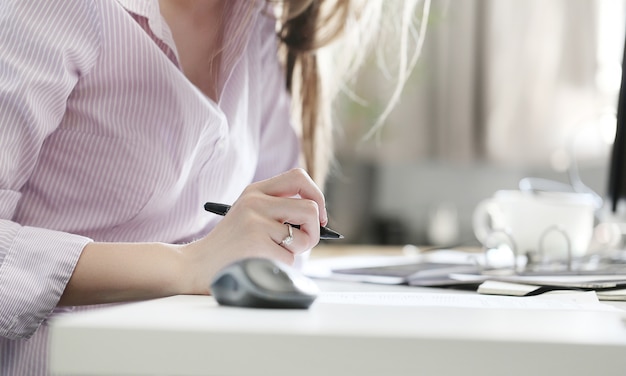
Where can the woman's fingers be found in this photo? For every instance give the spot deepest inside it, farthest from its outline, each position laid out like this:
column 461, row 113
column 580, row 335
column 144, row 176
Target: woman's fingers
column 271, row 212
column 301, row 212
column 291, row 198
column 292, row 239
column 295, row 182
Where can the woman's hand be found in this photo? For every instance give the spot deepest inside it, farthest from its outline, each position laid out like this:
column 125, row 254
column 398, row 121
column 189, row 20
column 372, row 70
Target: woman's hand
column 256, row 225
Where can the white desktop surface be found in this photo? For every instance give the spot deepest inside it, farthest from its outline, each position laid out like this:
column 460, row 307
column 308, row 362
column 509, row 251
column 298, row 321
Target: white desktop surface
column 192, row 335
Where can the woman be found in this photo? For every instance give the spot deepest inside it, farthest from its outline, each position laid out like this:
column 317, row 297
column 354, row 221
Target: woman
column 120, row 118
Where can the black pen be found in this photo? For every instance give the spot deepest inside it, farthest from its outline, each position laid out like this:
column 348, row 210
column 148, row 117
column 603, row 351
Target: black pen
column 222, row 209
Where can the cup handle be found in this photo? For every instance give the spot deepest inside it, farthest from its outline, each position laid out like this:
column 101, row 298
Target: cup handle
column 483, row 219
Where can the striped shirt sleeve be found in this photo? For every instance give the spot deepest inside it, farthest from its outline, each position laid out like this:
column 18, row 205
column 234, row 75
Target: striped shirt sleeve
column 46, row 47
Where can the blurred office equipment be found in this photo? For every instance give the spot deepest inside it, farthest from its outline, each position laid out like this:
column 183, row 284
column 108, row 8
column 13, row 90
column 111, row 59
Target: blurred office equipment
column 503, row 90
column 616, row 192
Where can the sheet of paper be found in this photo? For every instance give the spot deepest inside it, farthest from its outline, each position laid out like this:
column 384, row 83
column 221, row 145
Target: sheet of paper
column 324, row 268
column 580, row 301
column 505, row 288
column 521, row 289
column 540, row 280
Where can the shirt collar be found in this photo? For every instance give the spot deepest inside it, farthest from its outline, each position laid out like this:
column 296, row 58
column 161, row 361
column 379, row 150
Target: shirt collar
column 236, row 38
column 149, row 9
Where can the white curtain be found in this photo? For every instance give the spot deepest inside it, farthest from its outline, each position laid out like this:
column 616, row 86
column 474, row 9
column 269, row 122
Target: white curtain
column 504, row 81
column 540, row 69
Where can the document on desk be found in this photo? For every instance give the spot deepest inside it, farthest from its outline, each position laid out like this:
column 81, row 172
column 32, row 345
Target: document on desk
column 430, row 269
column 579, row 301
column 610, row 287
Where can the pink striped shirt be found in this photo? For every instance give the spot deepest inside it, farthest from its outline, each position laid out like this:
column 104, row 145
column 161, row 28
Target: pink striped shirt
column 102, row 138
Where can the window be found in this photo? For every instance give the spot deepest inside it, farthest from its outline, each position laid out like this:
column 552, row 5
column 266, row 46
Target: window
column 504, row 89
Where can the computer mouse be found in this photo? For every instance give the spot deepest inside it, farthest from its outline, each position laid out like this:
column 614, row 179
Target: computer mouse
column 263, row 283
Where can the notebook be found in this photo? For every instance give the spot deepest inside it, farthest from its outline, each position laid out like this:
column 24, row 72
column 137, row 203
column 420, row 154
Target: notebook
column 423, row 273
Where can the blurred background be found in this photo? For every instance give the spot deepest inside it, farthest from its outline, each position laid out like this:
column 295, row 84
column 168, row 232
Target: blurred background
column 503, row 90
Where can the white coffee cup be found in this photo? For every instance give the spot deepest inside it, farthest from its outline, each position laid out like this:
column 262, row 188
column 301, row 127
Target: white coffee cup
column 552, row 224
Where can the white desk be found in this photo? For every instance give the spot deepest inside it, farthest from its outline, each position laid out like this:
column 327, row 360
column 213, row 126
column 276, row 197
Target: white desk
column 192, row 335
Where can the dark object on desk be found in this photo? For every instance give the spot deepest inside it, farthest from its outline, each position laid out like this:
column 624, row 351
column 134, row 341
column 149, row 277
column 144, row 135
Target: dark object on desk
column 616, row 194
column 263, row 283
column 222, row 209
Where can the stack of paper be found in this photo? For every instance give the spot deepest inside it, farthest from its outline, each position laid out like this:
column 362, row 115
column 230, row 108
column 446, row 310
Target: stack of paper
column 429, row 269
column 457, row 269
column 609, row 287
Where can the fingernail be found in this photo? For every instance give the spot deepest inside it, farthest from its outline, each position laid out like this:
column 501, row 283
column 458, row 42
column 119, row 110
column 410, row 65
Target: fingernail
column 324, row 217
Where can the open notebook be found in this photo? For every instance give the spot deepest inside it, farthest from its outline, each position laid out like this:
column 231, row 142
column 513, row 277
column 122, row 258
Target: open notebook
column 422, row 273
column 427, row 269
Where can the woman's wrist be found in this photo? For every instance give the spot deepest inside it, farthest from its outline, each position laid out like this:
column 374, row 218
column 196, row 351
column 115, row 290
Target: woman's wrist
column 118, row 272
column 194, row 274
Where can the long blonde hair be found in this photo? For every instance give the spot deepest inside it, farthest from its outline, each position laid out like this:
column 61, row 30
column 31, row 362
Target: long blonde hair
column 323, row 42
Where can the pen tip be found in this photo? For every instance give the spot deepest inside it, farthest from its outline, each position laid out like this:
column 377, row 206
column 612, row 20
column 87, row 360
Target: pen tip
column 327, row 233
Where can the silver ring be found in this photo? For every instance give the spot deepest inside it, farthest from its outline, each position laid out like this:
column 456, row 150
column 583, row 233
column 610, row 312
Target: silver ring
column 289, row 238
